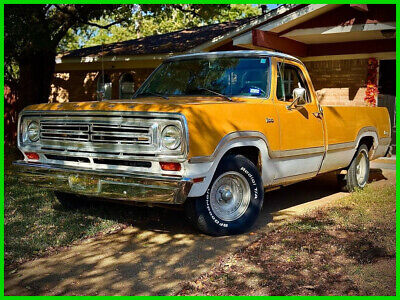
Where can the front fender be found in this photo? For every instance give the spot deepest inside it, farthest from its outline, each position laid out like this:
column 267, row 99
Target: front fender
column 205, row 166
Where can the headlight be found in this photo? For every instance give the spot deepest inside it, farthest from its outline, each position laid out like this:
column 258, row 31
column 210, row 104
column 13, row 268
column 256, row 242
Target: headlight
column 171, row 137
column 33, row 131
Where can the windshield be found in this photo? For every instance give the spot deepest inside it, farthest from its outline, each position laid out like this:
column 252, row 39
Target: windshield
column 209, row 76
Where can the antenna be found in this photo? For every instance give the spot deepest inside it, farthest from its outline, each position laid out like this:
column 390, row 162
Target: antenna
column 103, row 88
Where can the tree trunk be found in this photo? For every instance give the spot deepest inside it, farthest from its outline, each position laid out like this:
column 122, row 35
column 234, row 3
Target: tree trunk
column 36, row 73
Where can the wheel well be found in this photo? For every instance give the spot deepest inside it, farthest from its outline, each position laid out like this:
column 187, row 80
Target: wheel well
column 250, row 152
column 368, row 141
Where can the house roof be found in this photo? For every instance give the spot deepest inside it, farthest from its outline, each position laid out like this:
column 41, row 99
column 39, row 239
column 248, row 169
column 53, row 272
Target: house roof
column 177, row 41
column 172, row 42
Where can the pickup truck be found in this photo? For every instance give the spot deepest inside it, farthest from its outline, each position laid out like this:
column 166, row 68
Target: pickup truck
column 210, row 132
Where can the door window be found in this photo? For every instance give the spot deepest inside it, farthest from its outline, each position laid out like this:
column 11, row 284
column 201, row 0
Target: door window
column 289, row 77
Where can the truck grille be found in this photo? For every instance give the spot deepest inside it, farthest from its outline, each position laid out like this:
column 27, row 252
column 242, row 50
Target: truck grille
column 95, row 133
column 103, row 140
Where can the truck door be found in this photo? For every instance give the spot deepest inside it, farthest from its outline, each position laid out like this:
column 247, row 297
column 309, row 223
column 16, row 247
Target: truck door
column 301, row 125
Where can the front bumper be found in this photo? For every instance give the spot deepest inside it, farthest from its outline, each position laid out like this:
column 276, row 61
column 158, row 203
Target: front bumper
column 106, row 184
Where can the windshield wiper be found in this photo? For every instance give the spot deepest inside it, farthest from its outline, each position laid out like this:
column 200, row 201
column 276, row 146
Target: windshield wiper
column 216, row 93
column 154, row 94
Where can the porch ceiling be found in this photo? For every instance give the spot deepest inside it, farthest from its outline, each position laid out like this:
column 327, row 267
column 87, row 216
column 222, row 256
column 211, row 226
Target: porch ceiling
column 337, row 34
column 279, row 25
column 334, row 29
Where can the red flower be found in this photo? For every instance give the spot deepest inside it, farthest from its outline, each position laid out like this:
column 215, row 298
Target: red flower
column 372, row 89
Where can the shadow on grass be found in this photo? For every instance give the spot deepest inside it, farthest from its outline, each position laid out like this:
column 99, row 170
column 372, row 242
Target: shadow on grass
column 313, row 255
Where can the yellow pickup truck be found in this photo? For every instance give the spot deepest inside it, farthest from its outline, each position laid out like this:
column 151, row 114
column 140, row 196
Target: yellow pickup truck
column 209, row 131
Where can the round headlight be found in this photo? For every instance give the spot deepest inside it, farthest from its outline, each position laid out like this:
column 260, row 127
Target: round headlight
column 33, row 131
column 171, row 137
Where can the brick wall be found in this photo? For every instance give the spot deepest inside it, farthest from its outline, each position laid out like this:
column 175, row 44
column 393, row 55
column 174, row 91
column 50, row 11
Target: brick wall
column 82, row 85
column 339, row 82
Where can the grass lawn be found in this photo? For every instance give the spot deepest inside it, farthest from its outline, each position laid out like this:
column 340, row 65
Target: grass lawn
column 35, row 224
column 347, row 248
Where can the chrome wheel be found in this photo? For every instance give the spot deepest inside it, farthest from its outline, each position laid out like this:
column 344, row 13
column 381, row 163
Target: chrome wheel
column 230, row 196
column 361, row 169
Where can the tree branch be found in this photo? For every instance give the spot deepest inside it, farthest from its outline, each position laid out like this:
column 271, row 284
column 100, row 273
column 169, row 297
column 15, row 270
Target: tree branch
column 83, row 21
column 105, row 26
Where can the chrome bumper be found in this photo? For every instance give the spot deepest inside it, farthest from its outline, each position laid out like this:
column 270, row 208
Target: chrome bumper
column 106, row 184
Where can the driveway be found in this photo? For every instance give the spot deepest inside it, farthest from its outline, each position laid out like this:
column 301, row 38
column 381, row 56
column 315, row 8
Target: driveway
column 155, row 256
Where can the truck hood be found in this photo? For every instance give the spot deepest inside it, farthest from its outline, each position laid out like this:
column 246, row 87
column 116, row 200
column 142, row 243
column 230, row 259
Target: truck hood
column 150, row 104
column 208, row 118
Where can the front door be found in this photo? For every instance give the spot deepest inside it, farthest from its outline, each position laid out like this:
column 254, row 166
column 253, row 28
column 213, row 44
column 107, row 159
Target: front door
column 301, row 127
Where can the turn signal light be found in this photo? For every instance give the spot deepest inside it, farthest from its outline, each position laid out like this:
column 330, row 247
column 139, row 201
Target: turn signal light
column 32, row 155
column 170, row 166
column 199, row 179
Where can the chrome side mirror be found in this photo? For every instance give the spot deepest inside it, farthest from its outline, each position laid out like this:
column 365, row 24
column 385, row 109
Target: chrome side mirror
column 299, row 97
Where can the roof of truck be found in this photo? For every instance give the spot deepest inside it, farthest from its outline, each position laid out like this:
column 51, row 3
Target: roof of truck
column 240, row 53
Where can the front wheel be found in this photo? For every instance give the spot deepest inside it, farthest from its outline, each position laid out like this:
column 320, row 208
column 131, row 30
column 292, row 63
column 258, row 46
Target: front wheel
column 233, row 200
column 358, row 171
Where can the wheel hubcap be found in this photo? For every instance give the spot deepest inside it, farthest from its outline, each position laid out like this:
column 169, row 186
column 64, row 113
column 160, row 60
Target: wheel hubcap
column 230, row 196
column 361, row 169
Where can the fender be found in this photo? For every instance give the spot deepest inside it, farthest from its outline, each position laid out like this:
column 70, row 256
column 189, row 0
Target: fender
column 367, row 131
column 340, row 155
column 205, row 166
column 380, row 145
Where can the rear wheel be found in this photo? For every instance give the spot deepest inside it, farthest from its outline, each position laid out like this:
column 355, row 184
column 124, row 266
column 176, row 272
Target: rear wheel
column 233, row 200
column 358, row 171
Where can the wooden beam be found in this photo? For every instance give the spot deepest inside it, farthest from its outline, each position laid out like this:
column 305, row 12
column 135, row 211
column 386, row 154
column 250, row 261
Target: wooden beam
column 368, row 46
column 273, row 41
column 360, row 7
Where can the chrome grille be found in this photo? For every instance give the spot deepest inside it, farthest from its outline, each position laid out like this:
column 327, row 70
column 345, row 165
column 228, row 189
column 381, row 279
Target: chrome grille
column 64, row 131
column 95, row 132
column 98, row 139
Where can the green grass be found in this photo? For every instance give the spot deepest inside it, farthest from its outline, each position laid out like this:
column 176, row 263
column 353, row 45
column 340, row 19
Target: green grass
column 35, row 222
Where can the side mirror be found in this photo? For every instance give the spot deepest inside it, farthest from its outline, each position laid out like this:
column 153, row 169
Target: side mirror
column 299, row 97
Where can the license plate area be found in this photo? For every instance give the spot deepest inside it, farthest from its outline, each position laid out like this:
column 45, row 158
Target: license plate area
column 84, row 183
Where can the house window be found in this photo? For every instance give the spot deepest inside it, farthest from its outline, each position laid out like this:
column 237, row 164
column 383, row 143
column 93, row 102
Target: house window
column 126, row 86
column 104, row 87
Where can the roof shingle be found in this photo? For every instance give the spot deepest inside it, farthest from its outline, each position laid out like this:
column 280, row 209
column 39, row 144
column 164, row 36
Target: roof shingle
column 172, row 42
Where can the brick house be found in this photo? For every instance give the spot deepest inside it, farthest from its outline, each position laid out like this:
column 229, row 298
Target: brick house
column 335, row 42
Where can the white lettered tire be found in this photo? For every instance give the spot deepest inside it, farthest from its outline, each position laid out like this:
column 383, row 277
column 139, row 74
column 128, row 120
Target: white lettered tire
column 233, row 200
column 357, row 173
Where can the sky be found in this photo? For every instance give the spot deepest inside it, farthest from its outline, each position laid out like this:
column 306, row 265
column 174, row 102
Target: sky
column 272, row 6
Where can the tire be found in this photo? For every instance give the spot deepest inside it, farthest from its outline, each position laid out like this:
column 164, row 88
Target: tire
column 357, row 173
column 70, row 201
column 233, row 200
